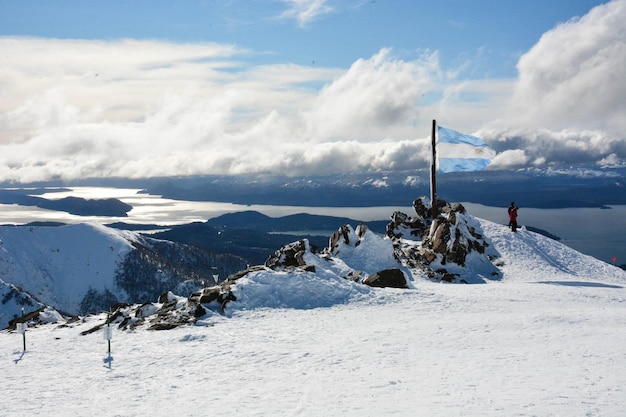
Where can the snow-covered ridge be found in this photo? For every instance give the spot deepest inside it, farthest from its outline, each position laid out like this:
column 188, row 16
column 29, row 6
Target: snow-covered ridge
column 58, row 265
column 88, row 267
column 543, row 337
column 456, row 248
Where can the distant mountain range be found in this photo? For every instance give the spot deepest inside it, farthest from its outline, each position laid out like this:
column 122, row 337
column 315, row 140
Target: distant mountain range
column 538, row 188
column 580, row 186
column 295, row 222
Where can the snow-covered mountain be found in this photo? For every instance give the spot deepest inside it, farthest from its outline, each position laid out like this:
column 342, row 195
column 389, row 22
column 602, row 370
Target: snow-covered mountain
column 90, row 268
column 541, row 335
column 85, row 268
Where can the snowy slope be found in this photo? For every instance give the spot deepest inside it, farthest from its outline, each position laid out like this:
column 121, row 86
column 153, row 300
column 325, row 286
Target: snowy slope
column 544, row 339
column 58, row 265
column 88, row 267
column 531, row 257
column 523, row 257
column 13, row 301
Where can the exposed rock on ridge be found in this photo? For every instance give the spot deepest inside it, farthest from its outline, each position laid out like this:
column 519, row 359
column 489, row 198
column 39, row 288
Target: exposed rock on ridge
column 450, row 247
column 445, row 249
column 440, row 247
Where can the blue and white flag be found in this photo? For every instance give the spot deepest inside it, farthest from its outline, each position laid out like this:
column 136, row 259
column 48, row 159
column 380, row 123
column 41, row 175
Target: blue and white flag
column 460, row 152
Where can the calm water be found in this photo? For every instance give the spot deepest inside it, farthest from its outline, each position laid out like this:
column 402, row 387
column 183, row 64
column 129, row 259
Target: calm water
column 597, row 232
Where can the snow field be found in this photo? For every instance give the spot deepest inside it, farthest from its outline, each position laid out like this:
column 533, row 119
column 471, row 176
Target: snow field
column 547, row 339
column 522, row 349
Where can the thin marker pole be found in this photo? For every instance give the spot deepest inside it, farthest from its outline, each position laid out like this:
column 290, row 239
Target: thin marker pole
column 23, row 329
column 433, row 172
column 109, row 332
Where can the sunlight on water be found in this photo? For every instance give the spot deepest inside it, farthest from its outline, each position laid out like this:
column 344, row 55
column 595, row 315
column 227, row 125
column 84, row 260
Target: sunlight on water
column 597, row 232
column 153, row 209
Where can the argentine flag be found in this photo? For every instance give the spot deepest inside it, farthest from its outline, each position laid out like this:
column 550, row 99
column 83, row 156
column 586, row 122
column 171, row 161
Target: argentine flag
column 460, row 152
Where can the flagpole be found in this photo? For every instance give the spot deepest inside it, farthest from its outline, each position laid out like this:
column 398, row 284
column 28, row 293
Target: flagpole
column 433, row 171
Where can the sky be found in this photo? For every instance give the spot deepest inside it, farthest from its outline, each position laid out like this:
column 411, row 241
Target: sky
column 300, row 87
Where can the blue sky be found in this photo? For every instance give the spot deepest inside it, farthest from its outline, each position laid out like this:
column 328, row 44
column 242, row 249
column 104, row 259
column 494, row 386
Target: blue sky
column 304, row 86
column 493, row 33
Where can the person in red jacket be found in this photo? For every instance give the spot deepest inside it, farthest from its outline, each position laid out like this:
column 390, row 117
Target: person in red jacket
column 513, row 216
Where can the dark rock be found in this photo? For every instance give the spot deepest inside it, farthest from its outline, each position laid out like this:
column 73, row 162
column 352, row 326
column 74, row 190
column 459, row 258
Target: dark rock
column 289, row 256
column 167, row 307
column 422, row 211
column 145, row 310
column 393, row 278
column 243, row 273
column 32, row 316
column 355, row 276
column 360, row 230
column 448, row 277
column 439, row 240
column 119, row 306
column 447, row 239
column 209, row 295
column 92, row 329
column 164, row 326
column 342, row 233
column 220, row 294
column 199, row 311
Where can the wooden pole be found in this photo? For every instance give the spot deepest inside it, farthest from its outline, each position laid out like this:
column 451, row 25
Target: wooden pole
column 433, row 172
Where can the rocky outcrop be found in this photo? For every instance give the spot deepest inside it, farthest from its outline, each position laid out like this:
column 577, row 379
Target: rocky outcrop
column 439, row 248
column 293, row 256
column 171, row 311
column 445, row 248
column 289, row 256
column 42, row 315
column 343, row 235
column 433, row 244
column 168, row 266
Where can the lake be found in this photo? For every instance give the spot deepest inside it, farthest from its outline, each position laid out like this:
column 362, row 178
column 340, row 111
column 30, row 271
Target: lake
column 597, row 232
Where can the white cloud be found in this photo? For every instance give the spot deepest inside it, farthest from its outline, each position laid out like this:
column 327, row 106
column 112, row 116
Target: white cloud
column 611, row 161
column 574, row 77
column 45, row 80
column 517, row 147
column 136, row 109
column 306, row 11
column 568, row 104
column 509, row 159
column 78, row 108
column 371, row 96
